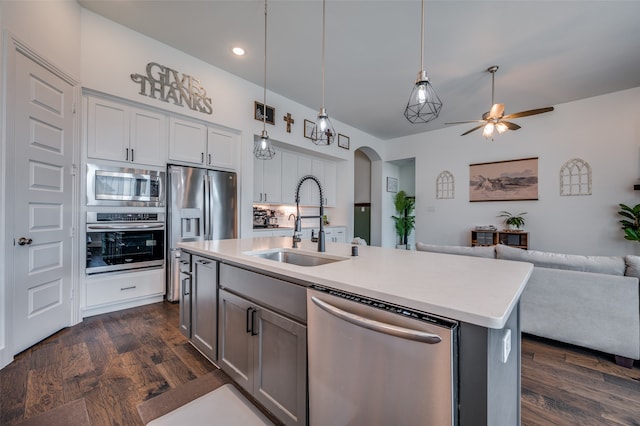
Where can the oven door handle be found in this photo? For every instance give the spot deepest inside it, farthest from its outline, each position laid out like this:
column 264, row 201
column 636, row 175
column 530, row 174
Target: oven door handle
column 124, row 227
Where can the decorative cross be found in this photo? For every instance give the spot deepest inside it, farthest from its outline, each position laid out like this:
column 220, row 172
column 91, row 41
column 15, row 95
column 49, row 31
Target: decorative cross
column 289, row 120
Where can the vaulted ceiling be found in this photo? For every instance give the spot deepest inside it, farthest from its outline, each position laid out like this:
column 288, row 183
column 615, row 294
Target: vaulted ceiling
column 549, row 52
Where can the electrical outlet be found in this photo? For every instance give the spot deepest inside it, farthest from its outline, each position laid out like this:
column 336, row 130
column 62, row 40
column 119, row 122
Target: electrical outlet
column 506, row 345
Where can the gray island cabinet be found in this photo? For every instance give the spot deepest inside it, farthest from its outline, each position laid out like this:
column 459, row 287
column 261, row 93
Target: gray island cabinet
column 262, row 318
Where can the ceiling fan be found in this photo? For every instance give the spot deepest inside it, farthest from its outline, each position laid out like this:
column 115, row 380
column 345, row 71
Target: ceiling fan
column 494, row 119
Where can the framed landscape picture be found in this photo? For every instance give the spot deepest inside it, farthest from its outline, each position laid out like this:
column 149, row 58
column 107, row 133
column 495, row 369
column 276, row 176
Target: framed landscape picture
column 504, row 180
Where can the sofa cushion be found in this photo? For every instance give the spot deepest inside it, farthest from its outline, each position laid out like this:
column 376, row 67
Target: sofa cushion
column 613, row 265
column 633, row 266
column 484, row 251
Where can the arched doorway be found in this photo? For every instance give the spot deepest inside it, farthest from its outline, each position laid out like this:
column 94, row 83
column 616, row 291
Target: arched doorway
column 367, row 190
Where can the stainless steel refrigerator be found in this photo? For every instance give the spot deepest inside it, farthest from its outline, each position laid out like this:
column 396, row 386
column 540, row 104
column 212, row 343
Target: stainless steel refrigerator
column 201, row 205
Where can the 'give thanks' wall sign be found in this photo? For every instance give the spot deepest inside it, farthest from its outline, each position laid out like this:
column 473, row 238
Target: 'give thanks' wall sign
column 169, row 85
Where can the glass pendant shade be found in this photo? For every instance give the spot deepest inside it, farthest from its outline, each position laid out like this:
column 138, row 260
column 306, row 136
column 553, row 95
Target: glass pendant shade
column 323, row 132
column 487, row 131
column 263, row 149
column 424, row 104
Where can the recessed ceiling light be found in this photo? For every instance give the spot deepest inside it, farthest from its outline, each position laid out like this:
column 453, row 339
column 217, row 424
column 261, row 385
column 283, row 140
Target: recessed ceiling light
column 238, row 51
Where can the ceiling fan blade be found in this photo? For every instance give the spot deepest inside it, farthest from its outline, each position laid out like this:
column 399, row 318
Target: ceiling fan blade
column 529, row 112
column 464, row 122
column 510, row 125
column 472, row 130
column 496, row 111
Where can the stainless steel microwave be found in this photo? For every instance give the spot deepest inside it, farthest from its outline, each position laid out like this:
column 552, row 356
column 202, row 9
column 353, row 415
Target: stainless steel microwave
column 121, row 186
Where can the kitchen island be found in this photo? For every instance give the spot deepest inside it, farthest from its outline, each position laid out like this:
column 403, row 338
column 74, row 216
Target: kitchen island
column 481, row 295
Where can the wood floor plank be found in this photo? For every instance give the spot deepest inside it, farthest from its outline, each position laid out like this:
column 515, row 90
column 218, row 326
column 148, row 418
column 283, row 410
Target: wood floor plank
column 44, row 390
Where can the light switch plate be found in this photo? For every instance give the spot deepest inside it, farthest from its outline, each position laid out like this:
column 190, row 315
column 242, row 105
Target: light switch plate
column 506, row 345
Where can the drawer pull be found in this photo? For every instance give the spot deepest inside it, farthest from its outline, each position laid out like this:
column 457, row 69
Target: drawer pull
column 127, row 288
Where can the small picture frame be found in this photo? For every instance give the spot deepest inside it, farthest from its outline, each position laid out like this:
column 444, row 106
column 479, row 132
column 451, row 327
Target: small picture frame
column 308, row 128
column 258, row 111
column 392, row 184
column 343, row 141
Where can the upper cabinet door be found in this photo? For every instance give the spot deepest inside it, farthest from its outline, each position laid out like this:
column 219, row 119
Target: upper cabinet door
column 120, row 132
column 107, row 130
column 289, row 177
column 187, row 141
column 221, row 148
column 148, row 138
column 330, row 183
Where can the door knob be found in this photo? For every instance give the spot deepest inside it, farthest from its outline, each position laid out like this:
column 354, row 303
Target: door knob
column 24, row 241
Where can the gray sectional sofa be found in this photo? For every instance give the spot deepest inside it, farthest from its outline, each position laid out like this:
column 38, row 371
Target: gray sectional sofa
column 589, row 301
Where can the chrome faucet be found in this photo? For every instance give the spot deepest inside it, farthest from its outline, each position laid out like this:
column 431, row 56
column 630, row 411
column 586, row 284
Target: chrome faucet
column 298, row 227
column 296, row 234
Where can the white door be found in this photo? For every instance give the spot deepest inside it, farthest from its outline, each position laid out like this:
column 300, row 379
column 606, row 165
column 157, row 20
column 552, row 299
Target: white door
column 43, row 205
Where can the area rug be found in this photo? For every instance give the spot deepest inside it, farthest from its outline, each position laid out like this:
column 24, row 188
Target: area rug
column 225, row 406
column 181, row 395
column 72, row 413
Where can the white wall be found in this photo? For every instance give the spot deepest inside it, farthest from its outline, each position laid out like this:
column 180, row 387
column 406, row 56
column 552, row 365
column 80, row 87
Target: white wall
column 604, row 131
column 52, row 30
column 111, row 52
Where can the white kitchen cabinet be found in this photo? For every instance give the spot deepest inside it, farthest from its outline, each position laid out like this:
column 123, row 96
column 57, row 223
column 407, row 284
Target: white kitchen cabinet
column 196, row 143
column 336, row 234
column 290, row 177
column 111, row 292
column 187, row 141
column 221, row 148
column 330, row 183
column 267, row 180
column 120, row 132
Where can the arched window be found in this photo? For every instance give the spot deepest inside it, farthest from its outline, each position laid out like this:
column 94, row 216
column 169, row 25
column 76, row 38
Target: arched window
column 575, row 178
column 445, row 185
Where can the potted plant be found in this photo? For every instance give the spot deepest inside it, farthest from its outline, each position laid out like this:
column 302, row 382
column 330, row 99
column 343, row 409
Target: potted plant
column 405, row 222
column 513, row 221
column 630, row 225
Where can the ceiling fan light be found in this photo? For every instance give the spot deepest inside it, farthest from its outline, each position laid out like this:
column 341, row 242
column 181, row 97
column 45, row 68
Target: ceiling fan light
column 487, row 132
column 323, row 132
column 263, row 149
column 501, row 128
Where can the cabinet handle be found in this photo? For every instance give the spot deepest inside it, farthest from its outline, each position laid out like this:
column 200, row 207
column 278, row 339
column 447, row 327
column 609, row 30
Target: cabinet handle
column 265, row 197
column 127, row 288
column 203, row 262
column 132, row 155
column 202, row 157
column 249, row 318
column 253, row 321
column 209, row 158
column 126, row 155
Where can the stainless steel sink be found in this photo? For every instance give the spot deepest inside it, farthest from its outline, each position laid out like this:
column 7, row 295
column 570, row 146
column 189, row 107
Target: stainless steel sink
column 296, row 257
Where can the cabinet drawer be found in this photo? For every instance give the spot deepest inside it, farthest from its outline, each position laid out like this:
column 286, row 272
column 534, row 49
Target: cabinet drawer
column 282, row 296
column 120, row 287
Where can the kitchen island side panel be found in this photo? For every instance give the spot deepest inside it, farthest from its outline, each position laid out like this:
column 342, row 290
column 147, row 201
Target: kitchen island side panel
column 489, row 392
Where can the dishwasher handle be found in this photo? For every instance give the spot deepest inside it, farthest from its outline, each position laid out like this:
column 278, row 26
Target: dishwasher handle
column 393, row 330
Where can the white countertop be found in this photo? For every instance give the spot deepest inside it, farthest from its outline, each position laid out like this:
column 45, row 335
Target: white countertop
column 475, row 290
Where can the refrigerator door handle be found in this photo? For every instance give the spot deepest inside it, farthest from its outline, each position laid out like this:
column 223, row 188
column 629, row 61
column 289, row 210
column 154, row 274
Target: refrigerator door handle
column 207, row 207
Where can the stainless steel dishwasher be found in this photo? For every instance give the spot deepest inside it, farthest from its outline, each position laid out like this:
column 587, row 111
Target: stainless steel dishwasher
column 375, row 363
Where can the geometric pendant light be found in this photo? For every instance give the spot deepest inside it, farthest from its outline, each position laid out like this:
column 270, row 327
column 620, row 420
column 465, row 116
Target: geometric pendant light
column 424, row 104
column 323, row 132
column 263, row 149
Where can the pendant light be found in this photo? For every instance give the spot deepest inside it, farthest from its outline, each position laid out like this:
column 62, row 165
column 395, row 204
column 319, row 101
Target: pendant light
column 323, row 132
column 263, row 148
column 424, row 104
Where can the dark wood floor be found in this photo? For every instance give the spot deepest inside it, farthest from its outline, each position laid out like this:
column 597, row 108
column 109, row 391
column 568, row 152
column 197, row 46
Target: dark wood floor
column 117, row 360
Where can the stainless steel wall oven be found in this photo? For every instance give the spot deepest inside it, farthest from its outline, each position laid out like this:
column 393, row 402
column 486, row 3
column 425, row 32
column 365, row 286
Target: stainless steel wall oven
column 124, row 241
